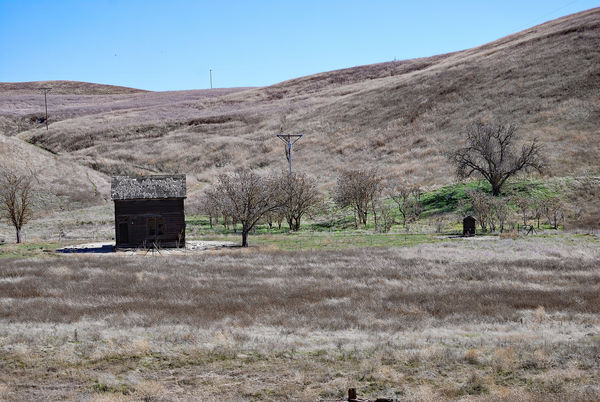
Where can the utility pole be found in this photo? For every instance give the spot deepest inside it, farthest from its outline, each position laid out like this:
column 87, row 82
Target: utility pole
column 210, row 78
column 289, row 140
column 46, row 90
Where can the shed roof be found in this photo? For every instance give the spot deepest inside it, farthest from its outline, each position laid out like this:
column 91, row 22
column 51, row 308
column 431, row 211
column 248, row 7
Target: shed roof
column 147, row 187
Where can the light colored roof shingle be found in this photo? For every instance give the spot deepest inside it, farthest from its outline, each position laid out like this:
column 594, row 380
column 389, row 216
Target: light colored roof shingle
column 147, row 187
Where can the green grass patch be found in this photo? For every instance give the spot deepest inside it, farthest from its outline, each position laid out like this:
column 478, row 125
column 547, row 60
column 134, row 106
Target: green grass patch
column 447, row 198
column 329, row 240
column 33, row 249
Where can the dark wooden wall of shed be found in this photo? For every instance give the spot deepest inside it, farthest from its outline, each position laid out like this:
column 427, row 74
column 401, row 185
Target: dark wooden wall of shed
column 469, row 226
column 137, row 212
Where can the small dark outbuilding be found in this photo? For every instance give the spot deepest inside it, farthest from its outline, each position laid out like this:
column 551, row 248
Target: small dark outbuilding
column 469, row 226
column 149, row 211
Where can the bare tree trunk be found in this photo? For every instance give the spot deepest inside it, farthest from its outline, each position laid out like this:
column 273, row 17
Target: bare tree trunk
column 245, row 232
column 375, row 218
column 18, row 235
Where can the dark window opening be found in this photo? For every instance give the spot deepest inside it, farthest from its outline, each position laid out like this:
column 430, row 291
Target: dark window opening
column 155, row 226
column 151, row 226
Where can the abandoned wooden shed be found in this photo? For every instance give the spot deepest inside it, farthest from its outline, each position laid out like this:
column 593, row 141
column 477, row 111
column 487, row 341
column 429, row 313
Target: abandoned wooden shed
column 149, row 211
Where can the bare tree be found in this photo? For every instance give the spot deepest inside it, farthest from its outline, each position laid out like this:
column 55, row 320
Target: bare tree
column 276, row 216
column 553, row 209
column 523, row 207
column 16, row 199
column 482, row 207
column 203, row 205
column 386, row 217
column 502, row 212
column 491, row 212
column 210, row 205
column 492, row 153
column 439, row 222
column 298, row 195
column 408, row 199
column 245, row 197
column 537, row 209
column 358, row 189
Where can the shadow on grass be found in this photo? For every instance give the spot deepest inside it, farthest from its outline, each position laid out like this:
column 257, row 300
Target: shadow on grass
column 94, row 249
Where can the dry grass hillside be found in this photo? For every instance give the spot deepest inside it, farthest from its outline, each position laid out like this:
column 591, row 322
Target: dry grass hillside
column 60, row 184
column 66, row 87
column 400, row 116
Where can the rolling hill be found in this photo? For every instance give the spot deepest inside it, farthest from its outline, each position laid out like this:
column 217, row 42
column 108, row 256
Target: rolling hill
column 66, row 88
column 401, row 116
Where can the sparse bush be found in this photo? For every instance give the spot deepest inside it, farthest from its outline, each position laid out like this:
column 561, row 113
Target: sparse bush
column 523, row 207
column 474, row 386
column 209, row 204
column 408, row 199
column 583, row 199
column 297, row 196
column 553, row 208
column 482, row 208
column 440, row 222
column 501, row 212
column 358, row 189
column 491, row 212
column 472, row 356
column 383, row 216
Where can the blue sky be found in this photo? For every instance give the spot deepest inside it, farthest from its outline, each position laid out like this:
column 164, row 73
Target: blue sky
column 171, row 45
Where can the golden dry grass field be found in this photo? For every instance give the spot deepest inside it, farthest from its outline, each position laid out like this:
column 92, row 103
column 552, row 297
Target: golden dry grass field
column 481, row 319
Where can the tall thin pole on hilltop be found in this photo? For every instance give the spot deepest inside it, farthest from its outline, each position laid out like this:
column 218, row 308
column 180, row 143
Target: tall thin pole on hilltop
column 46, row 90
column 211, row 78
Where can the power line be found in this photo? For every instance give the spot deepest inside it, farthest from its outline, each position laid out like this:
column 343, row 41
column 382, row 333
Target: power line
column 46, row 90
column 289, row 140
